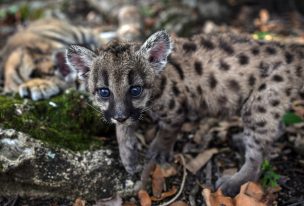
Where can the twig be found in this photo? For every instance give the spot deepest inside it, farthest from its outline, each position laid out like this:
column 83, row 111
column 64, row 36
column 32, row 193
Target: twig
column 296, row 203
column 182, row 185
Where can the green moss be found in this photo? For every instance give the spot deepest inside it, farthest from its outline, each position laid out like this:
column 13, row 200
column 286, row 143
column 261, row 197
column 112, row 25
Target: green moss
column 66, row 121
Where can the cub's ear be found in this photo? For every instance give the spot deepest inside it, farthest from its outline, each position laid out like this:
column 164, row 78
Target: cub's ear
column 156, row 50
column 80, row 59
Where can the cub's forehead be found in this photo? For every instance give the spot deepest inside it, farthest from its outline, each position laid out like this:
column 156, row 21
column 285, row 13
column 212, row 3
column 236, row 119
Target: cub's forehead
column 119, row 55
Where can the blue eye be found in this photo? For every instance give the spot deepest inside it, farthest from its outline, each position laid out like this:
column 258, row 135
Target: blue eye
column 135, row 91
column 104, row 92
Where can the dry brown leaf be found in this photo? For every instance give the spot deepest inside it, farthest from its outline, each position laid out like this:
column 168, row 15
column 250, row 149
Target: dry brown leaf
column 253, row 190
column 251, row 194
column 179, row 203
column 165, row 194
column 144, row 198
column 200, row 160
column 298, row 107
column 217, row 198
column 264, row 16
column 158, row 181
column 79, row 202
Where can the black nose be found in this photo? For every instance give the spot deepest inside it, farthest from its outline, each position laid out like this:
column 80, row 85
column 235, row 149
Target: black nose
column 120, row 118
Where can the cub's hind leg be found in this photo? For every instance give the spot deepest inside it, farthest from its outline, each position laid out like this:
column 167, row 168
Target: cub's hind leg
column 261, row 117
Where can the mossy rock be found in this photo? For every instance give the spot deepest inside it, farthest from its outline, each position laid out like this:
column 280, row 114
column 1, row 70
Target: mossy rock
column 66, row 121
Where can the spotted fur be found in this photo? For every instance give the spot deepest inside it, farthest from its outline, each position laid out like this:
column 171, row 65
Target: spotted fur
column 204, row 76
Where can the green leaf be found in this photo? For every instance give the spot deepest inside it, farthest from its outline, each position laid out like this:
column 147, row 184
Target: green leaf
column 291, row 118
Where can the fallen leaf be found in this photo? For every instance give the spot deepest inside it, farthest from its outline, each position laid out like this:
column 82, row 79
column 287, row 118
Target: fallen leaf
column 298, row 107
column 253, row 190
column 158, row 181
column 200, row 160
column 165, row 194
column 217, row 198
column 115, row 201
column 179, row 203
column 144, row 198
column 79, row 202
column 243, row 199
column 251, row 194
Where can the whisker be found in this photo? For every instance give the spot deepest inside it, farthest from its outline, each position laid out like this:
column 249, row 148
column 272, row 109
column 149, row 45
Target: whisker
column 102, row 115
column 97, row 110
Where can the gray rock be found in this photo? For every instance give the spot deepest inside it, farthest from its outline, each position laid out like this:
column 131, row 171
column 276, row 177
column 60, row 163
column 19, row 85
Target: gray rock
column 28, row 167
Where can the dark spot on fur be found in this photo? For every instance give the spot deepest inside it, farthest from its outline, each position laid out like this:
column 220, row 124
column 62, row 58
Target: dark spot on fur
column 105, row 77
column 289, row 57
column 299, row 70
column 163, row 83
column 177, row 67
column 207, row 44
column 243, row 59
column 247, row 113
column 275, row 102
column 171, row 104
column 189, row 47
column 198, row 67
column 262, row 87
column 175, row 90
column 277, row 78
column 288, row 92
column 233, row 85
column 259, row 98
column 180, row 110
column 276, row 115
column 262, row 131
column 187, row 89
column 224, row 66
column 261, row 109
column 261, row 124
column 199, row 90
column 264, row 68
column 212, row 81
column 256, row 141
column 222, row 100
column 270, row 50
column 255, row 51
column 226, row 47
column 251, row 80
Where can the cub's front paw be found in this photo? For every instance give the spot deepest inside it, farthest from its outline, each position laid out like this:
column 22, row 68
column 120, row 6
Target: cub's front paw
column 37, row 89
column 229, row 185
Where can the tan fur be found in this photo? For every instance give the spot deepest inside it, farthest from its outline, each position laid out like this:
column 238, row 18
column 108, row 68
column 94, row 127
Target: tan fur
column 31, row 53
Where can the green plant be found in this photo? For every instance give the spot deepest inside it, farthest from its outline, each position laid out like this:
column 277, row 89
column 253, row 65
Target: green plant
column 66, row 120
column 291, row 118
column 269, row 177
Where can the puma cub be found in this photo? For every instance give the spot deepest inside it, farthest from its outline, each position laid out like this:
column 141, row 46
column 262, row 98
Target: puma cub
column 180, row 79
